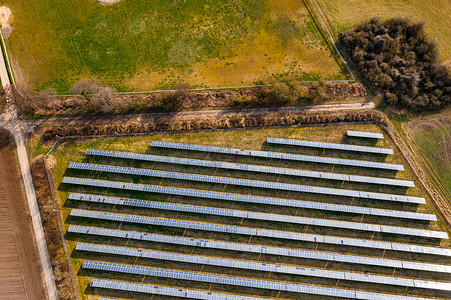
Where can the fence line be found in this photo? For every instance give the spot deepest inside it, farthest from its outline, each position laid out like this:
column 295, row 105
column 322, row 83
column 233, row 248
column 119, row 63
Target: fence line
column 208, row 88
column 60, row 227
column 63, row 138
column 330, row 38
column 11, row 75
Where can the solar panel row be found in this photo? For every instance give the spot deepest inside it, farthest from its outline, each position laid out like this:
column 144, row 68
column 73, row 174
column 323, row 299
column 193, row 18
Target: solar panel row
column 307, row 254
column 237, row 281
column 264, row 267
column 370, row 135
column 211, row 227
column 247, row 183
column 277, row 155
column 250, row 168
column 257, row 215
column 155, row 189
column 256, row 199
column 322, row 145
column 166, row 291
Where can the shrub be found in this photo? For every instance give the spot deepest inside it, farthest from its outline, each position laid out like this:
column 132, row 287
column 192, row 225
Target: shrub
column 397, row 58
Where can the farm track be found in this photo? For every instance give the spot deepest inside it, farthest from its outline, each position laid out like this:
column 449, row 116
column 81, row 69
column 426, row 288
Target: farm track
column 206, row 113
column 20, row 270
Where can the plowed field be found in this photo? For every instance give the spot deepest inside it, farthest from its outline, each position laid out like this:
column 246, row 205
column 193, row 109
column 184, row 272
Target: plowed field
column 20, row 271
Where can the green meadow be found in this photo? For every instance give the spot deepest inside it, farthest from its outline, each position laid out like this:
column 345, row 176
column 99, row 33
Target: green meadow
column 143, row 45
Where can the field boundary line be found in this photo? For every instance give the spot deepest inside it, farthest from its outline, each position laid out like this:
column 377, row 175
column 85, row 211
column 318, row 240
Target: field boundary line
column 210, row 88
column 60, row 226
column 328, row 36
column 209, row 130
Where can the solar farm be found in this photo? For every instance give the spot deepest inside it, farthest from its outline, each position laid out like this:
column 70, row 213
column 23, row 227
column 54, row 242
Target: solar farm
column 196, row 221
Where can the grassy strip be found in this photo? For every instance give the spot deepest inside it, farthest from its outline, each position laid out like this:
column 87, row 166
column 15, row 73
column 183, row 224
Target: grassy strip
column 433, row 139
column 53, row 237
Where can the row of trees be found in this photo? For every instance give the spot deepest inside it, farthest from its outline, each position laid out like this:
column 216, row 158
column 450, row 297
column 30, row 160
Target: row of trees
column 397, row 58
column 92, row 97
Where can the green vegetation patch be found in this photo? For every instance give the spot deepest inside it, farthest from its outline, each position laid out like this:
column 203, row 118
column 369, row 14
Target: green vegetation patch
column 433, row 138
column 141, row 45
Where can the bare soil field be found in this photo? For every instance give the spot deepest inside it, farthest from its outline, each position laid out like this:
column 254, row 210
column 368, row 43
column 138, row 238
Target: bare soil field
column 20, row 271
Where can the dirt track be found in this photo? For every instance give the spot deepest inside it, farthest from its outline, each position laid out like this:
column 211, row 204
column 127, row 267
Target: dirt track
column 20, row 271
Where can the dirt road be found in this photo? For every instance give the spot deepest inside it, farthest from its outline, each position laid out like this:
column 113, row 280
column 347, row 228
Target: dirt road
column 211, row 113
column 20, row 270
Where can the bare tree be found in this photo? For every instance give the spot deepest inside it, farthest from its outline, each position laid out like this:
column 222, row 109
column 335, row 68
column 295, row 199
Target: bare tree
column 44, row 99
column 100, row 96
column 103, row 98
column 84, row 87
column 23, row 104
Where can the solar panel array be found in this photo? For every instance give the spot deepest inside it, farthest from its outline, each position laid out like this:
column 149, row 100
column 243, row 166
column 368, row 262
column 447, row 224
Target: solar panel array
column 259, row 216
column 390, row 274
column 321, row 145
column 278, row 251
column 255, row 199
column 362, row 134
column 263, row 267
column 166, row 291
column 237, row 281
column 250, row 168
column 247, row 183
column 249, row 231
column 278, row 155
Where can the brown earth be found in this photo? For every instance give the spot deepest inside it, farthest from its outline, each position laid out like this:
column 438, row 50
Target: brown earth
column 20, row 271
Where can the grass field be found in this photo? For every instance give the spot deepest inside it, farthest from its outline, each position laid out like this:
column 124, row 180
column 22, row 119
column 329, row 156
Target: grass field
column 246, row 139
column 142, row 45
column 433, row 138
column 342, row 15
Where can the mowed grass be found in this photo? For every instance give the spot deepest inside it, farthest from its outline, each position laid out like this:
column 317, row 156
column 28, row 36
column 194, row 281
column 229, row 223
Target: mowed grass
column 144, row 44
column 344, row 14
column 433, row 139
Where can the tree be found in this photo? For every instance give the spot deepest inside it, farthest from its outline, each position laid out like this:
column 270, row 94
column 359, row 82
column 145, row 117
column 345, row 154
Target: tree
column 275, row 95
column 397, row 58
column 99, row 96
column 174, row 101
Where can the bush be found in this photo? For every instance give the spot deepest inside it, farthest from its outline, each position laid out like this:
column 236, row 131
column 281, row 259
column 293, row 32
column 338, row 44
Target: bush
column 100, row 97
column 397, row 58
column 175, row 101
